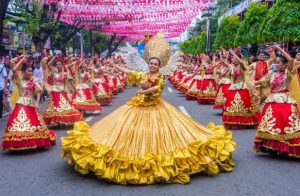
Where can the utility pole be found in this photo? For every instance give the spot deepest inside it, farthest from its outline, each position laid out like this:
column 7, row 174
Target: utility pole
column 91, row 42
column 207, row 35
column 81, row 43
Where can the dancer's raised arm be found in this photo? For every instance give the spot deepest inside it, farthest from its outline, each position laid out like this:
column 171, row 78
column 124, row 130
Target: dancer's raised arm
column 244, row 66
column 122, row 69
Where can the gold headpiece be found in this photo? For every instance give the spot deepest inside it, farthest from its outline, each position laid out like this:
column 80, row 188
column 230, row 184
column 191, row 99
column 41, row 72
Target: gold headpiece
column 158, row 47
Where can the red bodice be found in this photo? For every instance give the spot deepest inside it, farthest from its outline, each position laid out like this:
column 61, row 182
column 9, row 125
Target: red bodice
column 279, row 82
column 209, row 69
column 261, row 70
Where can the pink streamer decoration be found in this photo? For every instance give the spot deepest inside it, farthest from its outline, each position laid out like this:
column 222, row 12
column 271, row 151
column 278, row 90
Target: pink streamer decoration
column 132, row 18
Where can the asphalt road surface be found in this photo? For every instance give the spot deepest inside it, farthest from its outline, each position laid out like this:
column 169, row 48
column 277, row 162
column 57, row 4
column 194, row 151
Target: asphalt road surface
column 44, row 172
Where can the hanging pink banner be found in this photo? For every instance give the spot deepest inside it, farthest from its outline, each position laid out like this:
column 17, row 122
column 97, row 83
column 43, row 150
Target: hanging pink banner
column 132, row 18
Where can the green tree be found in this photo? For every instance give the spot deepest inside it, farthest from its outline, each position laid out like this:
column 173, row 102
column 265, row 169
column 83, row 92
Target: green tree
column 194, row 46
column 225, row 5
column 226, row 33
column 248, row 32
column 101, row 42
column 282, row 22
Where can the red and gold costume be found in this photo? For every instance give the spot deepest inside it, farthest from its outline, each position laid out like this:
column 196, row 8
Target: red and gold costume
column 279, row 128
column 194, row 89
column 110, row 80
column 240, row 110
column 260, row 70
column 117, row 81
column 223, row 86
column 59, row 109
column 184, row 83
column 208, row 87
column 25, row 127
column 178, row 76
column 83, row 97
column 101, row 87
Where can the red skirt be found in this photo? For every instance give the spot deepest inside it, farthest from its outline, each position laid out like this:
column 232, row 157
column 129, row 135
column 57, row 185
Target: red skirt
column 207, row 92
column 184, row 85
column 118, row 84
column 123, row 81
column 101, row 92
column 194, row 89
column 26, row 130
column 60, row 110
column 113, row 86
column 171, row 76
column 178, row 77
column 221, row 96
column 239, row 112
column 278, row 131
column 83, row 99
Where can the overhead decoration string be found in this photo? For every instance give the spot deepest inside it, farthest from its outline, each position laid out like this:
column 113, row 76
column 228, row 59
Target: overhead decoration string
column 132, row 18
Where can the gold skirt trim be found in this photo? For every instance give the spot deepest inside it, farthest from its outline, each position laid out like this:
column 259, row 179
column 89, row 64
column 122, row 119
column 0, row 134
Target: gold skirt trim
column 67, row 113
column 275, row 150
column 146, row 145
column 287, row 136
column 241, row 114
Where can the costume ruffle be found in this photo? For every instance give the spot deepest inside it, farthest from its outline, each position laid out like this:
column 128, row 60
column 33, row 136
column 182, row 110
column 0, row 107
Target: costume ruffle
column 210, row 156
column 28, row 140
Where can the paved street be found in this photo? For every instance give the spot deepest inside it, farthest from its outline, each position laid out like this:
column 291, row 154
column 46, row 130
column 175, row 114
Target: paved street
column 46, row 173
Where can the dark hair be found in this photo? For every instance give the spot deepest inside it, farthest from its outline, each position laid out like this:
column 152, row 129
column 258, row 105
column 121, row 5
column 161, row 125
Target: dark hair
column 283, row 59
column 45, row 7
column 239, row 54
column 159, row 62
column 58, row 61
column 218, row 55
column 25, row 67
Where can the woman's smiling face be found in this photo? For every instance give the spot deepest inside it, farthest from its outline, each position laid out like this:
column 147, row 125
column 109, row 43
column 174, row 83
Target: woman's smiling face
column 154, row 65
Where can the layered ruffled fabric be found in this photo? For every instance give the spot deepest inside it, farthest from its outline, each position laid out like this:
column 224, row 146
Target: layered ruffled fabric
column 146, row 145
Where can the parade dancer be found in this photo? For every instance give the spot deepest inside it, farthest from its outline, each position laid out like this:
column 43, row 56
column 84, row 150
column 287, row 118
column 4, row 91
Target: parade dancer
column 25, row 127
column 278, row 131
column 147, row 140
column 194, row 89
column 59, row 109
column 100, row 86
column 224, row 81
column 260, row 69
column 240, row 110
column 208, row 87
column 83, row 97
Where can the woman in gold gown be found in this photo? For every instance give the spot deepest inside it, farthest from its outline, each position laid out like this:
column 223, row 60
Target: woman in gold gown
column 147, row 140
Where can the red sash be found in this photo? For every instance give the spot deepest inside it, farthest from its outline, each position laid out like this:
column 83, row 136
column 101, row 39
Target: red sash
column 261, row 69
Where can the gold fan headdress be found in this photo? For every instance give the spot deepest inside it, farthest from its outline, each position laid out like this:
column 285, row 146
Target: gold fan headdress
column 158, row 47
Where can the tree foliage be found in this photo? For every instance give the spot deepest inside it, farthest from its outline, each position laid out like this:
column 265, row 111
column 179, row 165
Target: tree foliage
column 225, row 5
column 282, row 22
column 226, row 33
column 101, row 42
column 194, row 46
column 248, row 32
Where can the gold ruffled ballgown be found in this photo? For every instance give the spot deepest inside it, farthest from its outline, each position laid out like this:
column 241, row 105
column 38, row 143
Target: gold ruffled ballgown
column 147, row 141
